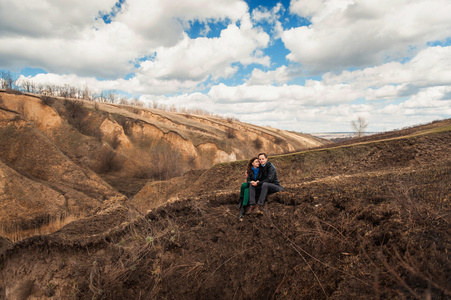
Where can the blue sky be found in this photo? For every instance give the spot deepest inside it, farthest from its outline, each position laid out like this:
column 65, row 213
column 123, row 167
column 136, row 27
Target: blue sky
column 307, row 66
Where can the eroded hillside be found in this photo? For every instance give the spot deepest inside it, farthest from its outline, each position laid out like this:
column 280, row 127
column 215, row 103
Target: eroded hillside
column 364, row 221
column 65, row 157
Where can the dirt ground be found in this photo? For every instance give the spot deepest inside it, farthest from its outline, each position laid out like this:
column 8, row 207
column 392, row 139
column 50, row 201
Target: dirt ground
column 367, row 221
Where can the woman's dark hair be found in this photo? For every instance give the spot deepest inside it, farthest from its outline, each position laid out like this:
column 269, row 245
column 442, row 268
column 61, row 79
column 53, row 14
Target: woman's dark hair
column 249, row 166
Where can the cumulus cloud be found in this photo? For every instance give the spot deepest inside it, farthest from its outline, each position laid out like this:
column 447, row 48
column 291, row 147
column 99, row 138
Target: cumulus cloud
column 65, row 37
column 430, row 67
column 281, row 75
column 314, row 93
column 49, row 18
column 347, row 34
column 197, row 59
column 162, row 21
column 271, row 17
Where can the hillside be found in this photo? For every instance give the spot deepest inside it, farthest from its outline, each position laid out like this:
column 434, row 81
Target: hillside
column 369, row 220
column 63, row 158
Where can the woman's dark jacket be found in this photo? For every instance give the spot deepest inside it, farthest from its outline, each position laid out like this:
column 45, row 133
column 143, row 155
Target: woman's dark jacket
column 250, row 177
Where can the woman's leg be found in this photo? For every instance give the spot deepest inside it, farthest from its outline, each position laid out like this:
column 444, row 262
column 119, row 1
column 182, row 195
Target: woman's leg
column 244, row 186
column 246, row 196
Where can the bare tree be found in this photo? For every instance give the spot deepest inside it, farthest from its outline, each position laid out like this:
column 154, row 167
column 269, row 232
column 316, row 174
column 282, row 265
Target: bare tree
column 112, row 97
column 7, row 80
column 359, row 126
column 27, row 85
column 154, row 104
column 136, row 102
column 86, row 93
column 123, row 101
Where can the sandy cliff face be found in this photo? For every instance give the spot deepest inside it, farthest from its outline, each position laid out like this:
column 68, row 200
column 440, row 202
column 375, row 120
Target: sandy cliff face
column 42, row 116
column 38, row 182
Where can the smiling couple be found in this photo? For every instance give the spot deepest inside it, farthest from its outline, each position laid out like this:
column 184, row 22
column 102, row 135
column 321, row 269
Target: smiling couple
column 261, row 178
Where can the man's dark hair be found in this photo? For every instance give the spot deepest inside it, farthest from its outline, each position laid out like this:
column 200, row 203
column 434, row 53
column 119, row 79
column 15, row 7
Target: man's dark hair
column 263, row 153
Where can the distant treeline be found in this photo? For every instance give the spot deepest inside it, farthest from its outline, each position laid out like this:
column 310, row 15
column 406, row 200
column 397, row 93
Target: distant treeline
column 11, row 83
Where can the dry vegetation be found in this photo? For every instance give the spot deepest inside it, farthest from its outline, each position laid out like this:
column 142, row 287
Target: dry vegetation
column 364, row 221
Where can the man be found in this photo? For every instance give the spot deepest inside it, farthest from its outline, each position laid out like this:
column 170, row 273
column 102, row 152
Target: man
column 268, row 184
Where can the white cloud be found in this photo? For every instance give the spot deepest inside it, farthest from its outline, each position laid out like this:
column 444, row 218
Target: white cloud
column 430, row 67
column 162, row 21
column 49, row 18
column 271, row 17
column 281, row 75
column 66, row 37
column 360, row 33
column 197, row 59
column 314, row 93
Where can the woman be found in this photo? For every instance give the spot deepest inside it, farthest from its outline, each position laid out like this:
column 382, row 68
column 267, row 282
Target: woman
column 252, row 174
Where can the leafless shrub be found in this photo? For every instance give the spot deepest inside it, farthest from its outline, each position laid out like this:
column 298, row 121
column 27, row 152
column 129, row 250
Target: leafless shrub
column 143, row 171
column 230, row 133
column 73, row 107
column 110, row 161
column 13, row 91
column 76, row 114
column 278, row 140
column 136, row 111
column 258, row 144
column 47, row 100
column 166, row 162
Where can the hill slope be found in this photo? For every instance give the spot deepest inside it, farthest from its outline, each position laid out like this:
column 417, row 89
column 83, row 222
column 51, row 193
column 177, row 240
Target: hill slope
column 66, row 157
column 365, row 221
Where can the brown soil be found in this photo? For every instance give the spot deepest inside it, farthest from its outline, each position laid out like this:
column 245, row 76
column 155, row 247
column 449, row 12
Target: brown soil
column 367, row 221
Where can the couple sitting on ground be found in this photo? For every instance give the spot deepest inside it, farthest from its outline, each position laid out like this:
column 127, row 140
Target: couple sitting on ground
column 261, row 176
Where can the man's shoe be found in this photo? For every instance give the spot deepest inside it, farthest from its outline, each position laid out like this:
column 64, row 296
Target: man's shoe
column 249, row 209
column 258, row 210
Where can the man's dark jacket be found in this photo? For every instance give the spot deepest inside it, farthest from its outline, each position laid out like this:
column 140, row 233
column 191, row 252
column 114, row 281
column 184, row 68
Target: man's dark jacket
column 269, row 174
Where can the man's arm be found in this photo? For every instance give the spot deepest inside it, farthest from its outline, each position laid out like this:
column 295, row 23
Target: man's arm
column 271, row 175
